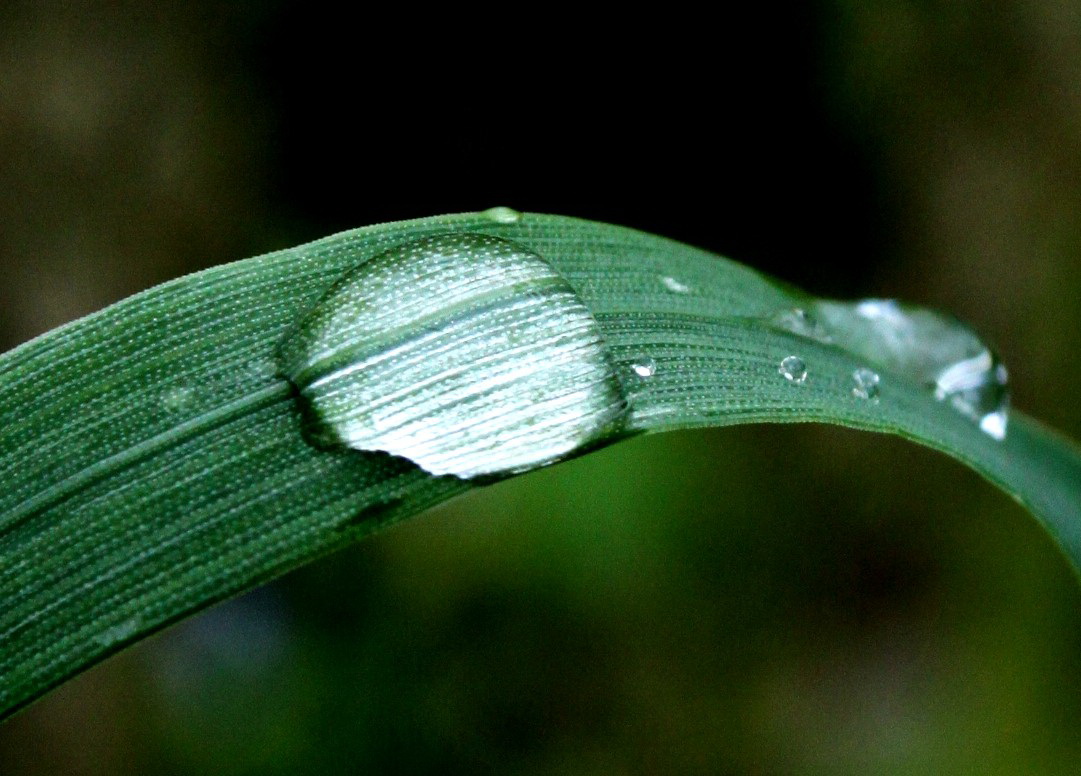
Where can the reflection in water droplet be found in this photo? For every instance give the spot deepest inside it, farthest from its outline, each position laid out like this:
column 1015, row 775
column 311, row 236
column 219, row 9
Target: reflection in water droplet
column 410, row 353
column 880, row 309
column 644, row 367
column 674, row 285
column 865, row 384
column 799, row 321
column 503, row 215
column 177, row 398
column 934, row 349
column 119, row 632
column 793, row 368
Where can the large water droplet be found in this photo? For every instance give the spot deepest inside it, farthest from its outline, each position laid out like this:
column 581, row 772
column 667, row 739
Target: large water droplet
column 468, row 354
column 934, row 349
column 793, row 368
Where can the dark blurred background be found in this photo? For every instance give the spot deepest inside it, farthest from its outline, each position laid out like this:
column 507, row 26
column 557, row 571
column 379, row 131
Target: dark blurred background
column 761, row 600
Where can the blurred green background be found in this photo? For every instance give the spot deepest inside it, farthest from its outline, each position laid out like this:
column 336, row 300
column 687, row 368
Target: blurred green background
column 761, row 600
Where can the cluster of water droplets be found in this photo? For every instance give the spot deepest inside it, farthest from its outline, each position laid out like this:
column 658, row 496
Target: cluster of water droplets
column 933, row 349
column 470, row 355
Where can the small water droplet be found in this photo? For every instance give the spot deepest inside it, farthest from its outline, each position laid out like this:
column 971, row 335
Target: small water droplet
column 675, row 286
column 644, row 367
column 799, row 321
column 865, row 384
column 178, row 398
column 119, row 632
column 409, row 354
column 934, row 349
column 503, row 215
column 994, row 424
column 793, row 368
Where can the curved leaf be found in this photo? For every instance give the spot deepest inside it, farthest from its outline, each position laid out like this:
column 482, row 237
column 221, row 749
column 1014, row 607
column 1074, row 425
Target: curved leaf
column 154, row 462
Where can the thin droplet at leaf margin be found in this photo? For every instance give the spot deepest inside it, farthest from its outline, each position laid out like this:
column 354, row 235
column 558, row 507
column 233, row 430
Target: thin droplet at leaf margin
column 153, row 461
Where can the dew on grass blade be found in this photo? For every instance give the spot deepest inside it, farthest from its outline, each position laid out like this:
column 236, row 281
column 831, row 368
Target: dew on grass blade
column 178, row 398
column 502, row 215
column 119, row 632
column 465, row 353
column 865, row 384
column 799, row 321
column 644, row 367
column 936, row 350
column 793, row 368
column 674, row 285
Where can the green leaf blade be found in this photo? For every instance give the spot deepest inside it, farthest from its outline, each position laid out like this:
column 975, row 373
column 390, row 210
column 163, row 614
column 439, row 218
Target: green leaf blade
column 153, row 462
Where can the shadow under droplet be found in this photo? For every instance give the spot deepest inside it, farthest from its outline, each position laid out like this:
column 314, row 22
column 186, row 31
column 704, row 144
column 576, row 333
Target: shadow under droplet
column 371, row 514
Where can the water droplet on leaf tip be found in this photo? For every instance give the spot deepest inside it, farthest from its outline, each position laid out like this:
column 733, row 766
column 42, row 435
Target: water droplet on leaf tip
column 674, row 285
column 932, row 349
column 408, row 354
column 793, row 368
column 503, row 215
column 865, row 384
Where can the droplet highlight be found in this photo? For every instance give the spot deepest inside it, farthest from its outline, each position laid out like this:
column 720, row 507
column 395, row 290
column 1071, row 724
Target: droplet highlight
column 465, row 353
column 503, row 215
column 674, row 285
column 644, row 367
column 794, row 369
column 865, row 384
column 936, row 350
